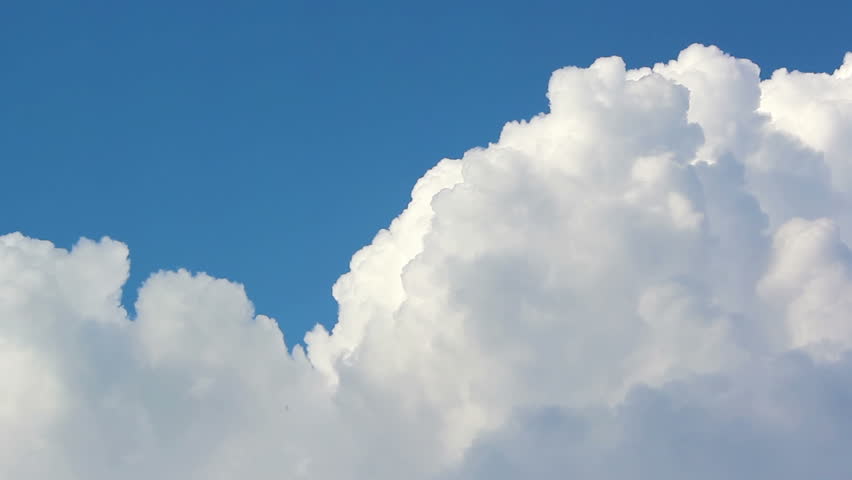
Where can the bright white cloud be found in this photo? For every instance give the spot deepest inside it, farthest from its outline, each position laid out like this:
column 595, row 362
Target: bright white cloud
column 652, row 280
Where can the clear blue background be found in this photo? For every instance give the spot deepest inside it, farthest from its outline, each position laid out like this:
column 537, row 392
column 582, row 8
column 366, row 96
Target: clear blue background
column 265, row 142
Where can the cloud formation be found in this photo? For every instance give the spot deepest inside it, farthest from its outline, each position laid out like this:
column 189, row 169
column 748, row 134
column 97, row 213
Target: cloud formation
column 651, row 280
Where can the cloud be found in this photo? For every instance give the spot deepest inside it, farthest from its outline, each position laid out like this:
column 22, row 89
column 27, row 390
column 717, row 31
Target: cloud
column 783, row 419
column 651, row 280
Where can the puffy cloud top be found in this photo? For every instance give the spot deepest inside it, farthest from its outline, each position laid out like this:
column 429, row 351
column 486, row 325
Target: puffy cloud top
column 651, row 280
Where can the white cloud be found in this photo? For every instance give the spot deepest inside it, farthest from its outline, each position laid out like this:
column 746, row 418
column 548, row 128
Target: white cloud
column 649, row 281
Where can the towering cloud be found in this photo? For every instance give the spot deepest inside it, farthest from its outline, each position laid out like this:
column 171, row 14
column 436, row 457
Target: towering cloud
column 652, row 280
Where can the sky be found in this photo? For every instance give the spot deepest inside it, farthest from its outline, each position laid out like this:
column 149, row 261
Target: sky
column 266, row 142
column 608, row 242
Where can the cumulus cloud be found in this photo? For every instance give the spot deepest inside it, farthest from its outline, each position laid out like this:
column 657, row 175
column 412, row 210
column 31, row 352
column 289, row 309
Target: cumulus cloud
column 651, row 280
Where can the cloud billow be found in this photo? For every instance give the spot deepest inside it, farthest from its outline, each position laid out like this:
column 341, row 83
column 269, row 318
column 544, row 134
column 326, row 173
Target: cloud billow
column 651, row 280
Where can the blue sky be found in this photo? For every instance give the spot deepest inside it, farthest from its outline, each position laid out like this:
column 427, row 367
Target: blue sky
column 265, row 142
